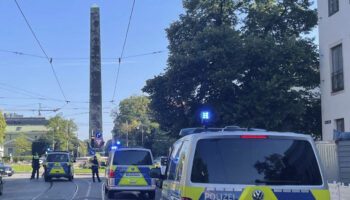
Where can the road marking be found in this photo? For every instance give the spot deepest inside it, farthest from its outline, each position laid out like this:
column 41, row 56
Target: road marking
column 88, row 190
column 36, row 197
column 76, row 190
column 103, row 191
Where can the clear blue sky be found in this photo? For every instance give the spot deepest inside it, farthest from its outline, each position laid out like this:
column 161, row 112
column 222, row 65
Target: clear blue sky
column 62, row 26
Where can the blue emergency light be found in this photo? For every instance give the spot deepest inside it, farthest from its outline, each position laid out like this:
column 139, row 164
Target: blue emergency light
column 205, row 115
column 114, row 147
column 118, row 142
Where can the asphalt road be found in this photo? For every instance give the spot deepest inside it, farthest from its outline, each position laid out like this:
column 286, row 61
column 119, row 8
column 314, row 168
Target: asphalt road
column 20, row 187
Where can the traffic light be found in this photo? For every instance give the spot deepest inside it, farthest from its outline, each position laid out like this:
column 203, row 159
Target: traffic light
column 92, row 143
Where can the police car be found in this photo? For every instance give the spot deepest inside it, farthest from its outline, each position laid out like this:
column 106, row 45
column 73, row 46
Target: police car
column 58, row 164
column 243, row 164
column 128, row 169
column 1, row 184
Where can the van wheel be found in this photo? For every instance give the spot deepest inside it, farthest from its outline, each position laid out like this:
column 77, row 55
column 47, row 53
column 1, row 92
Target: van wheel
column 152, row 195
column 70, row 178
column 110, row 194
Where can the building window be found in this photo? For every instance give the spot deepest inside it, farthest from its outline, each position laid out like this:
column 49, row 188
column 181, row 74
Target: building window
column 10, row 151
column 18, row 128
column 337, row 69
column 333, row 7
column 340, row 125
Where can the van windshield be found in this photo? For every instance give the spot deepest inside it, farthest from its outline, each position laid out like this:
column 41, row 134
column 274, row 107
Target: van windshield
column 132, row 157
column 255, row 161
column 57, row 158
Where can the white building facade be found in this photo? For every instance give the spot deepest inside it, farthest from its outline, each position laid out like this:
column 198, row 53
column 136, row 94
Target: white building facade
column 334, row 42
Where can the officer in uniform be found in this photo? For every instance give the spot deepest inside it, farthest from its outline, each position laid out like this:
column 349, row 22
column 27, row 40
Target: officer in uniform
column 94, row 167
column 35, row 166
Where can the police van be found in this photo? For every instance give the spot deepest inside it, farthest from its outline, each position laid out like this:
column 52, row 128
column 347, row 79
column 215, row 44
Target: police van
column 243, row 164
column 58, row 164
column 128, row 169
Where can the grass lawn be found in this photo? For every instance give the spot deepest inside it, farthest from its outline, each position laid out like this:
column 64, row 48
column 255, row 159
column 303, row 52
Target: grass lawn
column 80, row 170
column 22, row 168
column 28, row 168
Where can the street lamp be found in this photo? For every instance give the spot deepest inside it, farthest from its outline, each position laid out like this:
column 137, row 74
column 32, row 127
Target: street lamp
column 53, row 137
column 141, row 133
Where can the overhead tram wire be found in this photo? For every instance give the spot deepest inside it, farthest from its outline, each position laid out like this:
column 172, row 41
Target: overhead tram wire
column 122, row 53
column 21, row 91
column 42, row 49
column 21, row 53
column 82, row 58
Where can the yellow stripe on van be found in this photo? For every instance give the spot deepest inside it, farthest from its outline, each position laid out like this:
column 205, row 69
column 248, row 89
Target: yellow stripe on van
column 133, row 180
column 321, row 194
column 192, row 192
column 247, row 193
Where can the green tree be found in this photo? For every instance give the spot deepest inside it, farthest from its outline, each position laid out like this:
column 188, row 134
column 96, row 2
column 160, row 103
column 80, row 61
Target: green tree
column 2, row 127
column 23, row 145
column 134, row 118
column 258, row 70
column 62, row 132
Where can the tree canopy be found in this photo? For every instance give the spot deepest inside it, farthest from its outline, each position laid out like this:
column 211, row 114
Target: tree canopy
column 62, row 132
column 249, row 61
column 132, row 118
column 23, row 145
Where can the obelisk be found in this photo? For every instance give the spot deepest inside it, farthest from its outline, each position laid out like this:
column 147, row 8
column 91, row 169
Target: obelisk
column 95, row 113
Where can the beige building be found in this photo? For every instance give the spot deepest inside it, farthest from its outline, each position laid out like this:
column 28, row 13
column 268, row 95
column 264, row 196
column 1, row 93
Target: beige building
column 31, row 127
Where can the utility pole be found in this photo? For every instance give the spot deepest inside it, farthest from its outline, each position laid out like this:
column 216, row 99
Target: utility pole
column 78, row 155
column 39, row 111
column 67, row 135
column 142, row 133
column 53, row 138
column 127, row 133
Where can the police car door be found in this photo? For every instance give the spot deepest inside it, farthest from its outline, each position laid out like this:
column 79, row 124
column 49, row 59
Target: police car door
column 171, row 186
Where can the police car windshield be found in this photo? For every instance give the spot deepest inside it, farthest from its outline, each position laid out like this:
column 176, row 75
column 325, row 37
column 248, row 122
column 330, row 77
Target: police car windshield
column 132, row 157
column 57, row 158
column 255, row 162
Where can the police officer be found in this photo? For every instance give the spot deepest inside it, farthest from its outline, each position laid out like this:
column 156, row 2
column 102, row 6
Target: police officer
column 35, row 166
column 94, row 167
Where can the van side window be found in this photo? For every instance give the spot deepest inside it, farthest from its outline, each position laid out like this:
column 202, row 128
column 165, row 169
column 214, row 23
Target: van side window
column 173, row 160
column 181, row 162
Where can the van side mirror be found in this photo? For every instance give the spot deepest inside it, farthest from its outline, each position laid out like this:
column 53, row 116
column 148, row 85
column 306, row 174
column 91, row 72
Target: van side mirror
column 155, row 173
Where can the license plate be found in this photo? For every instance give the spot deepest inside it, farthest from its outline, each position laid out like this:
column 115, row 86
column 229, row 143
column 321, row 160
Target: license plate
column 132, row 174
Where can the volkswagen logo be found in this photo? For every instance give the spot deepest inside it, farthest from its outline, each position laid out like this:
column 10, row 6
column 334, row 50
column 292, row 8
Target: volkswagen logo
column 258, row 195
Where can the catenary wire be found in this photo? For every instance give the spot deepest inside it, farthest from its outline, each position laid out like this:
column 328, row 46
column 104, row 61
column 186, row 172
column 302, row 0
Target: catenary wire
column 42, row 49
column 123, row 48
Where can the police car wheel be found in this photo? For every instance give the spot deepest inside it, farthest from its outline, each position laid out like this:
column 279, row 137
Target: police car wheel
column 106, row 190
column 47, row 179
column 70, row 178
